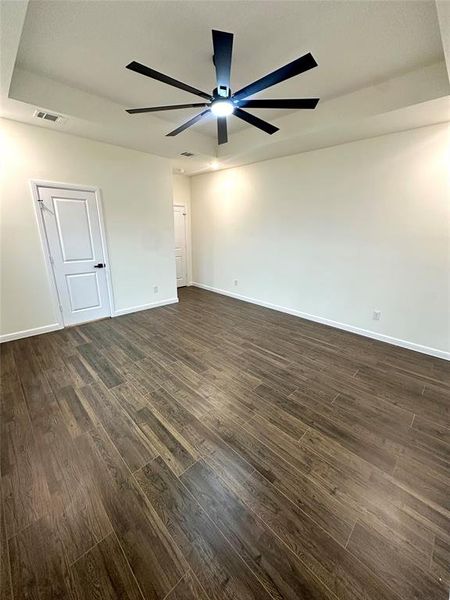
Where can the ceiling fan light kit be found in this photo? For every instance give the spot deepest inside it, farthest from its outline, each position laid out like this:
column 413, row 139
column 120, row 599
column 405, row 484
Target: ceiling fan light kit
column 222, row 108
column 221, row 102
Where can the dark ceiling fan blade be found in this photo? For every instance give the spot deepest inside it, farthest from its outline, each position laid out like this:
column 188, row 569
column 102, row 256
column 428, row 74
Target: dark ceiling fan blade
column 135, row 111
column 300, row 65
column 287, row 103
column 256, row 121
column 143, row 70
column 222, row 130
column 223, row 48
column 188, row 123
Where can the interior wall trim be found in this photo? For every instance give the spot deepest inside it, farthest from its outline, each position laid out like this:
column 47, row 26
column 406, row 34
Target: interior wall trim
column 344, row 326
column 132, row 309
column 17, row 335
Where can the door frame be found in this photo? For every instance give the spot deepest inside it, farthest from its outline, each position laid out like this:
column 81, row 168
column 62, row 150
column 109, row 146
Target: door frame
column 35, row 184
column 187, row 237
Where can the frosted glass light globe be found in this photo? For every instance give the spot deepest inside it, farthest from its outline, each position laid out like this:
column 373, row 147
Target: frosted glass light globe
column 222, row 108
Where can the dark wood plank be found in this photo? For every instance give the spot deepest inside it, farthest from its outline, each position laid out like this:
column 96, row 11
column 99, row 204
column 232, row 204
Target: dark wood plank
column 430, row 484
column 83, row 522
column 221, row 572
column 25, row 493
column 440, row 563
column 130, row 398
column 188, row 588
column 39, row 566
column 151, row 553
column 5, row 574
column 102, row 367
column 103, row 573
column 344, row 574
column 292, row 460
column 323, row 507
column 405, row 578
column 76, row 417
column 134, row 446
column 437, row 430
column 175, row 450
column 350, row 479
column 347, row 430
column 434, row 518
column 79, row 371
column 430, row 403
column 279, row 569
column 166, row 440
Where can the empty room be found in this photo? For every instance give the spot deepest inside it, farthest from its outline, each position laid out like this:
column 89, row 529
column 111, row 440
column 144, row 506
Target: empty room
column 225, row 300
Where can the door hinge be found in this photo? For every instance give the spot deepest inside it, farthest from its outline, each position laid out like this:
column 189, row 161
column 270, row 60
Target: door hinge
column 60, row 308
column 52, row 262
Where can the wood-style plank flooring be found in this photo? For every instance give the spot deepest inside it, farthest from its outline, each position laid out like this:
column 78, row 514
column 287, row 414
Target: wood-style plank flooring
column 217, row 450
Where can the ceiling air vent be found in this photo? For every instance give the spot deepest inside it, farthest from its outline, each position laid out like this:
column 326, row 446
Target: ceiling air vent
column 46, row 116
column 188, row 154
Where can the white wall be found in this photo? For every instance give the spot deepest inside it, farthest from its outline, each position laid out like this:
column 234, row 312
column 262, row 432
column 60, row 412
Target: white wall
column 181, row 190
column 182, row 197
column 335, row 234
column 137, row 202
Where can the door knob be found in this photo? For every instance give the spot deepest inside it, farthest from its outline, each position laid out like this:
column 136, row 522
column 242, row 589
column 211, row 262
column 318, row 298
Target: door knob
column 100, row 266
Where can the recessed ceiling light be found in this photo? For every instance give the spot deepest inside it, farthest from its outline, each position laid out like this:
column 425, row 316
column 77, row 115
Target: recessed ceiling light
column 222, row 108
column 214, row 165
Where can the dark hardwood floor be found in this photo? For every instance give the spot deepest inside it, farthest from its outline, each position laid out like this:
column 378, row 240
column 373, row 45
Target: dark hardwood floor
column 218, row 450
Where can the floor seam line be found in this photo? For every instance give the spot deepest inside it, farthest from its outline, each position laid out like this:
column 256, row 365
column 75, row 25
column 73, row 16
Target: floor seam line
column 128, row 564
column 350, row 534
column 181, row 579
column 71, row 564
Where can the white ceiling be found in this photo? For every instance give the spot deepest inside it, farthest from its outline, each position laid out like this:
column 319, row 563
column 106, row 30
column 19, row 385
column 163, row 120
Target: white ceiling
column 78, row 47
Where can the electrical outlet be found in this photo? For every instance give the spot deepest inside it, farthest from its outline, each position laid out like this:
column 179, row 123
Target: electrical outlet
column 376, row 315
column 235, row 282
column 155, row 289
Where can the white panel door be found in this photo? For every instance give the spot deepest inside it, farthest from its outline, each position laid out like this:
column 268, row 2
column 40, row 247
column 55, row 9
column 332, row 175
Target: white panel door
column 180, row 244
column 72, row 227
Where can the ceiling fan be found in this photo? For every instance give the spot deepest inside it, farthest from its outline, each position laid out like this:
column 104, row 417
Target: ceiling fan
column 222, row 102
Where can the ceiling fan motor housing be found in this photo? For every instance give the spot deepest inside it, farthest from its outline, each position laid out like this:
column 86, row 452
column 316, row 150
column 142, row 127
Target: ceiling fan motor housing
column 222, row 91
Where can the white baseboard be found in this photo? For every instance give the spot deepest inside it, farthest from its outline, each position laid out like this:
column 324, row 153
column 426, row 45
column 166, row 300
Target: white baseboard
column 132, row 309
column 364, row 332
column 17, row 335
